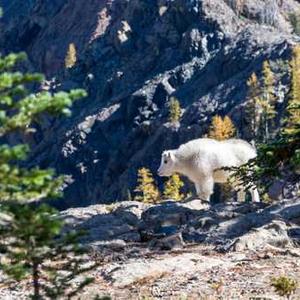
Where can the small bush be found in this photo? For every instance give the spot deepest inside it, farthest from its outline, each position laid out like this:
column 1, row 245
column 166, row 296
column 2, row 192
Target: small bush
column 284, row 286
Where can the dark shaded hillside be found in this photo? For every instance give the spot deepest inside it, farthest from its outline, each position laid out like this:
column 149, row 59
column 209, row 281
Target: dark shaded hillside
column 133, row 55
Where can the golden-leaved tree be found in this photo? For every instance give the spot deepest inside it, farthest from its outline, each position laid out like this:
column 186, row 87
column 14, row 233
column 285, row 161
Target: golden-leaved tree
column 221, row 128
column 252, row 109
column 267, row 101
column 71, row 56
column 260, row 107
column 172, row 188
column 146, row 190
column 293, row 108
column 174, row 110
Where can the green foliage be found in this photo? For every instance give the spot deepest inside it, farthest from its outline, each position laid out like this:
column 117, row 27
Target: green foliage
column 31, row 245
column 18, row 111
column 172, row 188
column 174, row 110
column 146, row 190
column 284, row 286
column 71, row 56
column 33, row 242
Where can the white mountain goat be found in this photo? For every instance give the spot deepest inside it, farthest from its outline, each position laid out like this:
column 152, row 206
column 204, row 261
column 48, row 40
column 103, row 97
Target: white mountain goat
column 201, row 160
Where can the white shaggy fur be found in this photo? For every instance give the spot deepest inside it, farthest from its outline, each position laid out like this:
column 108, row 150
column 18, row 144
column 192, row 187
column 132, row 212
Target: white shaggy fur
column 201, row 160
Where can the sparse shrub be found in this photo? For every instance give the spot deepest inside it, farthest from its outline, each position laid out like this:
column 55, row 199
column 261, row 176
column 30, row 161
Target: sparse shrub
column 173, row 187
column 221, row 129
column 174, row 110
column 71, row 56
column 146, row 190
column 284, row 286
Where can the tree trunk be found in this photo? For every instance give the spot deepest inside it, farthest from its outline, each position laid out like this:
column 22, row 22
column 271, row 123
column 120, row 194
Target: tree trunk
column 35, row 277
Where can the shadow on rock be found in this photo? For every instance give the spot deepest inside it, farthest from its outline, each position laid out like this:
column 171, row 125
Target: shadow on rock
column 172, row 225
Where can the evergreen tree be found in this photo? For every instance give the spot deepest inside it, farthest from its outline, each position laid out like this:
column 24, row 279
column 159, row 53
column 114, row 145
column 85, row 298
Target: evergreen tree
column 173, row 187
column 174, row 110
column 31, row 234
column 146, row 190
column 71, row 56
column 34, row 245
column 221, row 129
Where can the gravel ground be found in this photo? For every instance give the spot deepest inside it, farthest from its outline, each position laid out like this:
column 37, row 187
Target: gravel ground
column 212, row 275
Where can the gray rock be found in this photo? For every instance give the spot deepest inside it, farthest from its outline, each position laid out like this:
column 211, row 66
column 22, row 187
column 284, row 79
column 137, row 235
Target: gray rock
column 273, row 234
column 171, row 242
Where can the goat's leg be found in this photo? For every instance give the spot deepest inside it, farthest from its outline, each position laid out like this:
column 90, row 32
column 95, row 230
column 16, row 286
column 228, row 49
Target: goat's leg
column 254, row 194
column 205, row 188
column 241, row 194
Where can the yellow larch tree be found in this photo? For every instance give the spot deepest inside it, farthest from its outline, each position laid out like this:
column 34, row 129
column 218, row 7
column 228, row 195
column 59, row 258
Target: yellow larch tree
column 71, row 56
column 172, row 188
column 221, row 129
column 146, row 189
column 267, row 101
column 174, row 110
column 293, row 108
column 253, row 109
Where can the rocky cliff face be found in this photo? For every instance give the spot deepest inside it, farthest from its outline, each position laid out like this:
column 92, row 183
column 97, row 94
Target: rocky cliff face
column 132, row 56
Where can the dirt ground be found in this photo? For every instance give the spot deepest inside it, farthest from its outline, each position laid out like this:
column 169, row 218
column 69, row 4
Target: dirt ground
column 230, row 276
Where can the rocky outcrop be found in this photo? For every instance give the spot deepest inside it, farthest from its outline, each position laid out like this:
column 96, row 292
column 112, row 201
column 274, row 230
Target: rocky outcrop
column 132, row 56
column 175, row 225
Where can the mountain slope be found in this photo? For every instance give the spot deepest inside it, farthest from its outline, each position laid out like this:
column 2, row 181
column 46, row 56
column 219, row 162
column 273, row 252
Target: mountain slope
column 132, row 56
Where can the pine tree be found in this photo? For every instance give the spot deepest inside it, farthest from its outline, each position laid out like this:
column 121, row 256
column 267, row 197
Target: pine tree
column 34, row 245
column 221, row 129
column 172, row 188
column 146, row 190
column 174, row 110
column 31, row 236
column 71, row 56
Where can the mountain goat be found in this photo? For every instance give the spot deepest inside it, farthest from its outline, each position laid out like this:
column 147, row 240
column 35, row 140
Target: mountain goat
column 201, row 161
